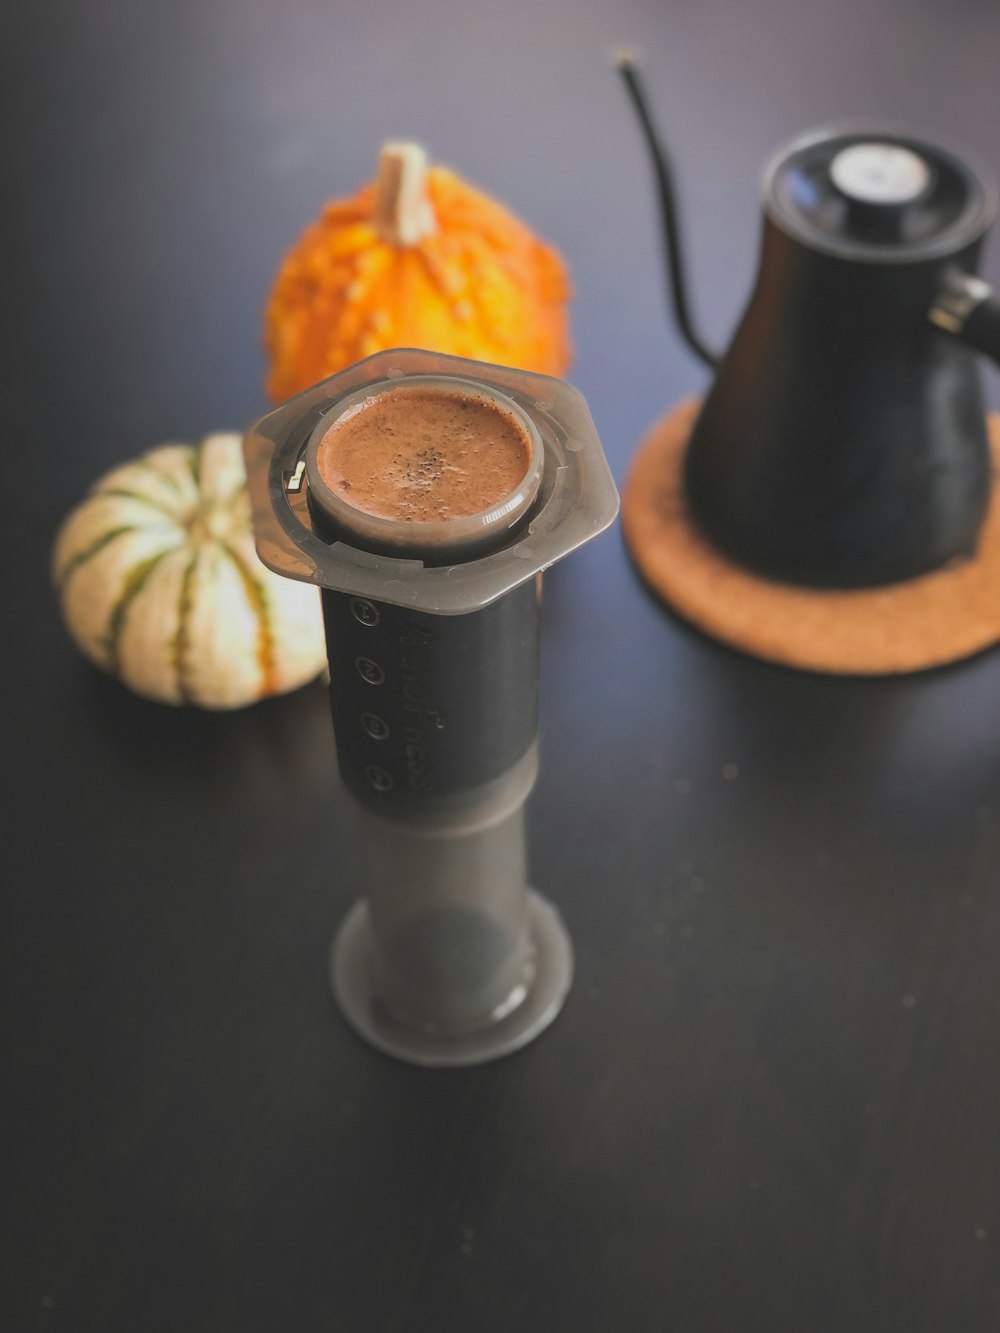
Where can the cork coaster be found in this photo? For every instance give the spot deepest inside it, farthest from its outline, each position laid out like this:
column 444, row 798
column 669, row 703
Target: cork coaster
column 924, row 622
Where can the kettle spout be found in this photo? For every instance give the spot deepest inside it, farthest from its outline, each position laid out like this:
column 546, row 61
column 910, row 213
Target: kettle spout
column 677, row 286
column 969, row 309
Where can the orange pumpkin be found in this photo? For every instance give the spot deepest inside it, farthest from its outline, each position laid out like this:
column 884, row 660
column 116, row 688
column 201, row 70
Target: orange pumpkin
column 419, row 259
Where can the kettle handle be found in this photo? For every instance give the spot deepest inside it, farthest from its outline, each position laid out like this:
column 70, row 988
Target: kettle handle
column 668, row 212
column 969, row 308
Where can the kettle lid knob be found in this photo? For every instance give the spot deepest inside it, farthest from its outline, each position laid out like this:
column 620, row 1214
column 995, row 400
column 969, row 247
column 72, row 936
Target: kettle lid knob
column 874, row 172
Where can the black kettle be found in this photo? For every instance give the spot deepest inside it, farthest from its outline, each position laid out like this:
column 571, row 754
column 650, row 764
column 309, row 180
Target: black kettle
column 843, row 441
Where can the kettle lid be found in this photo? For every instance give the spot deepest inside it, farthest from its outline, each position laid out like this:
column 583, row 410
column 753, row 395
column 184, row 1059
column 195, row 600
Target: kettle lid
column 871, row 193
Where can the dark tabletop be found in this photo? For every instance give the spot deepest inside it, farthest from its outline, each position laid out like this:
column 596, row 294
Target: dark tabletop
column 773, row 1100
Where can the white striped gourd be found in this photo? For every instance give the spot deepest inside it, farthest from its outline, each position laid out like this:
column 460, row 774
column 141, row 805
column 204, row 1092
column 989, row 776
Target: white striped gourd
column 160, row 584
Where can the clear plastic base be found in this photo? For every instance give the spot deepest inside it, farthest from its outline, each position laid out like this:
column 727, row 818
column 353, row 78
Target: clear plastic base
column 350, row 976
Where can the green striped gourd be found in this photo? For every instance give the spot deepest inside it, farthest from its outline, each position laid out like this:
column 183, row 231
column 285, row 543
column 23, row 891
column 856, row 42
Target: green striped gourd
column 160, row 584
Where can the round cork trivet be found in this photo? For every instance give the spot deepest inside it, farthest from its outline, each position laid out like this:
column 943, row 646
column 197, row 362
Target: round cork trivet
column 923, row 622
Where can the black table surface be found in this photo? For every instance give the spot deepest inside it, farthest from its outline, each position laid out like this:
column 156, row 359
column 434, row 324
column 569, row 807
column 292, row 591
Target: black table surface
column 773, row 1099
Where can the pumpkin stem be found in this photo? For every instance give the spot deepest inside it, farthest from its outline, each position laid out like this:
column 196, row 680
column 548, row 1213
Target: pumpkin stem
column 403, row 214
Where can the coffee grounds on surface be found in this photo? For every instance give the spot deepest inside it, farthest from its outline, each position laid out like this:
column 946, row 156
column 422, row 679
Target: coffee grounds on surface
column 424, row 454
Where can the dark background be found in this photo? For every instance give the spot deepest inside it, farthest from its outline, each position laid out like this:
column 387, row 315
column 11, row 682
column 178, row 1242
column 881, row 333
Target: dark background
column 773, row 1100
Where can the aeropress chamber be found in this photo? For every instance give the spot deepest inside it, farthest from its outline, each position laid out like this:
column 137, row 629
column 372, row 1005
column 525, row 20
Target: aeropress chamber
column 431, row 604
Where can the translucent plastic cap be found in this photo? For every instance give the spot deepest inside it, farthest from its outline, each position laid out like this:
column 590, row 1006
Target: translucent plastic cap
column 576, row 497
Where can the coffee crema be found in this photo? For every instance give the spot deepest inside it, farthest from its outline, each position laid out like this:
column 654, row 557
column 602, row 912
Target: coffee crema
column 420, row 454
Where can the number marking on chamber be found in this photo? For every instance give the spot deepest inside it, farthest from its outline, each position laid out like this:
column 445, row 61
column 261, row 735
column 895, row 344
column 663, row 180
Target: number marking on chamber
column 369, row 671
column 364, row 612
column 379, row 778
column 376, row 727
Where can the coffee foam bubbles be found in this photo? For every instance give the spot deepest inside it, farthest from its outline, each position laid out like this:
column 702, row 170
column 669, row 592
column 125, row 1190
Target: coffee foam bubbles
column 424, row 454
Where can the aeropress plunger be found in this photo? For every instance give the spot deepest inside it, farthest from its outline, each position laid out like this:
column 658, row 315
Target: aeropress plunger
column 431, row 603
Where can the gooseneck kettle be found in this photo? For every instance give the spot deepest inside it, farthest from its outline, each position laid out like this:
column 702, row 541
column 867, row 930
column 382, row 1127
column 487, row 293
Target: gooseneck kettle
column 843, row 441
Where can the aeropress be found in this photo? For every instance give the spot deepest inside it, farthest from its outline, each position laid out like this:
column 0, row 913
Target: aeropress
column 425, row 494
